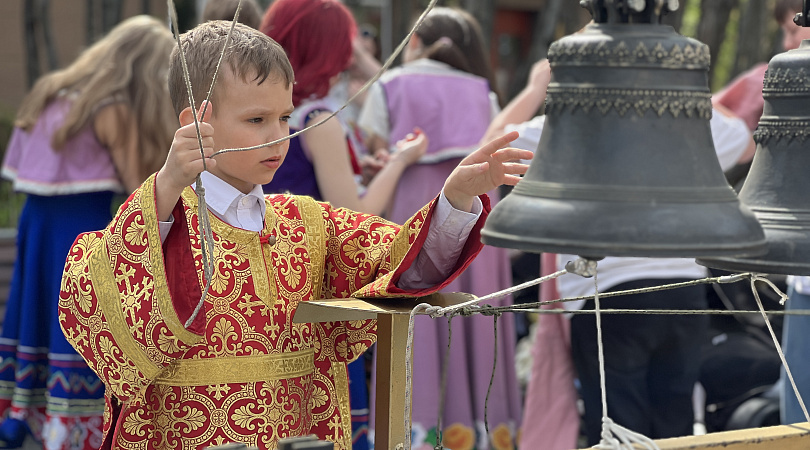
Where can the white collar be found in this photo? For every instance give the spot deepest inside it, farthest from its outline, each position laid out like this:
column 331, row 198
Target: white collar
column 220, row 195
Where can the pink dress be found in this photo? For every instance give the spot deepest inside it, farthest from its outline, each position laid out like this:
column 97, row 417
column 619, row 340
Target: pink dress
column 458, row 112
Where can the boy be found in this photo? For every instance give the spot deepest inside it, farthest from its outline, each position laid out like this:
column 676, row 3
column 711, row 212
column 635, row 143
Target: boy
column 242, row 371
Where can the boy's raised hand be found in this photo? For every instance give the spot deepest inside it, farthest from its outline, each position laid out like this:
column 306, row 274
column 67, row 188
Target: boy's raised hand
column 485, row 169
column 184, row 161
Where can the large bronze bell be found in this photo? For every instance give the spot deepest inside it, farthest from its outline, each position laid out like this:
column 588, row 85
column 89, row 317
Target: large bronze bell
column 778, row 187
column 626, row 165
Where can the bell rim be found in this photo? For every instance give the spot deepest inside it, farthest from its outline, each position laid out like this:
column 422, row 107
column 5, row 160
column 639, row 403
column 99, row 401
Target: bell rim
column 628, row 249
column 742, row 265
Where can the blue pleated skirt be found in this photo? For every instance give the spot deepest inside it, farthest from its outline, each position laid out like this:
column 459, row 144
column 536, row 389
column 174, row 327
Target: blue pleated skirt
column 45, row 386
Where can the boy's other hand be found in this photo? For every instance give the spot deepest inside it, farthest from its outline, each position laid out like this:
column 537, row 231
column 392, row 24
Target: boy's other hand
column 485, row 169
column 184, row 161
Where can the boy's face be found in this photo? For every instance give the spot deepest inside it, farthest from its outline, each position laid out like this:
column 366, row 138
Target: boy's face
column 248, row 114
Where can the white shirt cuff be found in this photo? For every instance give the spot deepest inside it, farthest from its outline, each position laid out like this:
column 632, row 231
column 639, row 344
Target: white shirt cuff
column 164, row 228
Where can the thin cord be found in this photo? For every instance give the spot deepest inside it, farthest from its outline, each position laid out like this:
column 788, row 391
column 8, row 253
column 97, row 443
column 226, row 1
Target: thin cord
column 222, row 55
column 206, row 234
column 363, row 89
column 775, row 340
column 491, row 379
column 425, row 308
column 502, row 293
column 600, row 348
column 443, row 386
column 614, row 436
column 724, row 279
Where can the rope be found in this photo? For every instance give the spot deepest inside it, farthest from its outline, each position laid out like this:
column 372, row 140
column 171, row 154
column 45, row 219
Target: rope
column 424, row 308
column 363, row 89
column 614, row 436
column 450, row 309
column 206, row 234
column 663, row 312
column 491, row 377
column 754, row 279
column 723, row 280
column 443, row 386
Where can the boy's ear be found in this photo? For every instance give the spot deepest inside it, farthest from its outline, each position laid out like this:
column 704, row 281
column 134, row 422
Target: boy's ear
column 187, row 118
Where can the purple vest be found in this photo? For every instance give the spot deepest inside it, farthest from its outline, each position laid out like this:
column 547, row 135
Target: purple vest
column 453, row 110
column 81, row 165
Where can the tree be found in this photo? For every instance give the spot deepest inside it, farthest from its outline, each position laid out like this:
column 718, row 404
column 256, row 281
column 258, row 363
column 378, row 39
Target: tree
column 38, row 38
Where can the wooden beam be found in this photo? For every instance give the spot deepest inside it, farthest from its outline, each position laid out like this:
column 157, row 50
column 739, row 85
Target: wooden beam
column 782, row 437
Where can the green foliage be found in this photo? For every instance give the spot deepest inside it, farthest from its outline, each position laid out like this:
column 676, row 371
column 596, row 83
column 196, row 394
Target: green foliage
column 724, row 62
column 10, row 202
column 691, row 18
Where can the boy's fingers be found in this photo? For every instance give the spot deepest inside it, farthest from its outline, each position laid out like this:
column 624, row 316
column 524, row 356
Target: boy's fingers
column 512, row 154
column 499, row 142
column 515, row 168
column 205, row 111
column 511, row 180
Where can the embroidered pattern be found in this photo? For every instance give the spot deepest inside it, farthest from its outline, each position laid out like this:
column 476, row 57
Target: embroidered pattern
column 252, row 377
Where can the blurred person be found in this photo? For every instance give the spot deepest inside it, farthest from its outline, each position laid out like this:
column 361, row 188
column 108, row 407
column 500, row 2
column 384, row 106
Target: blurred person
column 319, row 38
column 250, row 14
column 83, row 134
column 445, row 88
column 743, row 95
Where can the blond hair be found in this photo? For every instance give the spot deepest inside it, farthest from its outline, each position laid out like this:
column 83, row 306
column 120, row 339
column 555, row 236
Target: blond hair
column 251, row 56
column 129, row 64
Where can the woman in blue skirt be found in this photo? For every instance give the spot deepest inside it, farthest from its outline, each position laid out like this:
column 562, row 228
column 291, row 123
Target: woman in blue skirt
column 82, row 134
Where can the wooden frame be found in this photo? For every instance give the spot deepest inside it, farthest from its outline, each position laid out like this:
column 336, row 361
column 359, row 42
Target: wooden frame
column 782, row 437
column 392, row 334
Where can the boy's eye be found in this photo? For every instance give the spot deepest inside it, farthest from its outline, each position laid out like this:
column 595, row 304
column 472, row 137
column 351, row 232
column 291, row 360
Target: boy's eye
column 285, row 118
column 255, row 120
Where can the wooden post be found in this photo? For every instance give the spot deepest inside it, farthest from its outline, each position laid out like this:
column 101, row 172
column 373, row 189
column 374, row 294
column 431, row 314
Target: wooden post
column 392, row 335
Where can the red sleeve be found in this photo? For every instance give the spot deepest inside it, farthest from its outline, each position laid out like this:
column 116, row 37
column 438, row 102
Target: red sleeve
column 181, row 273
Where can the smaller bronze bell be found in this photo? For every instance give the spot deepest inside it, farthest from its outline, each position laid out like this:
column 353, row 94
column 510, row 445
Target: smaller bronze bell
column 777, row 188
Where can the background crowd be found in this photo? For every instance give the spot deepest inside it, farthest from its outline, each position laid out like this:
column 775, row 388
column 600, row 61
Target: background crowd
column 88, row 133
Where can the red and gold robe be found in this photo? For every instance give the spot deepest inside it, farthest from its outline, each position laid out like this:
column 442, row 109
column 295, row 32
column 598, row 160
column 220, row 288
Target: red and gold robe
column 242, row 371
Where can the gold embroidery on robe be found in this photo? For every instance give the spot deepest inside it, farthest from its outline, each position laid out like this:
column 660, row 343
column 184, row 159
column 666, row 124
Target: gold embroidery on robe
column 254, row 376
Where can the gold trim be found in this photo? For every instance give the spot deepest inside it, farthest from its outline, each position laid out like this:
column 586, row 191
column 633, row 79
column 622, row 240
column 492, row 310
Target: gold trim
column 161, row 294
column 342, row 395
column 315, row 230
column 402, row 241
column 246, row 239
column 109, row 300
column 238, row 369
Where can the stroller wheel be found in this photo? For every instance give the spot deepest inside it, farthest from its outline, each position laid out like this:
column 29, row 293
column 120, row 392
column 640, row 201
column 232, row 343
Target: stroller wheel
column 754, row 413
